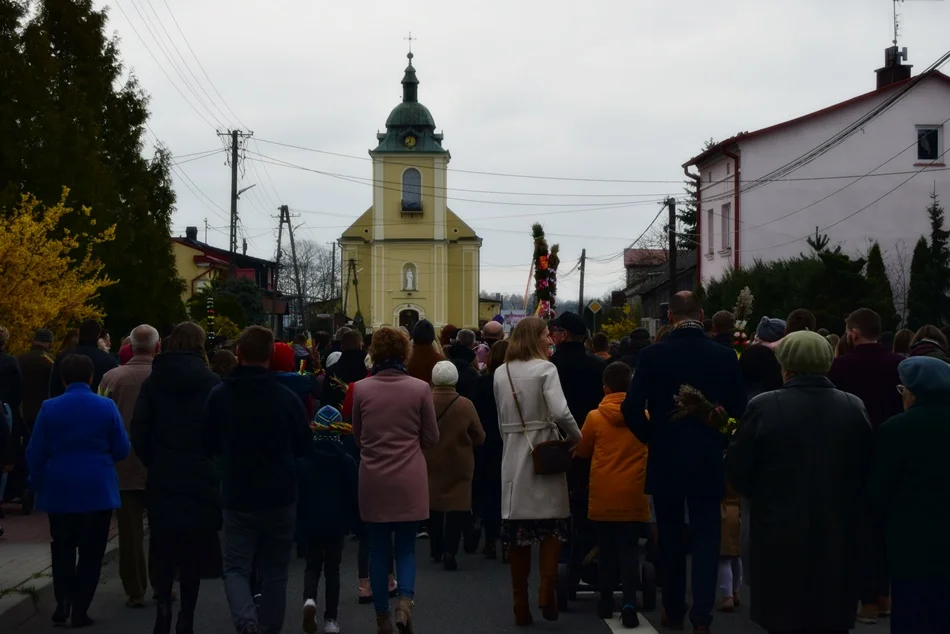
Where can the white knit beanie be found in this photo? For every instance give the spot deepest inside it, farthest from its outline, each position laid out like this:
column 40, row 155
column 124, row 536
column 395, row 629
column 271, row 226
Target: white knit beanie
column 333, row 357
column 445, row 373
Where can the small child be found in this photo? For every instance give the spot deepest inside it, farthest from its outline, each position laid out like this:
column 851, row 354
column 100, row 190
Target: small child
column 618, row 505
column 326, row 511
column 730, row 563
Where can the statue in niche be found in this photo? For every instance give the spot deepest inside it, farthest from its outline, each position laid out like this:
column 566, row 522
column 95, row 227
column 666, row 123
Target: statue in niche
column 410, row 280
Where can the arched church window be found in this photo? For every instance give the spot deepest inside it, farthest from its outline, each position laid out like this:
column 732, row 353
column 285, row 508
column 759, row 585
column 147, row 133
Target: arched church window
column 412, row 190
column 410, row 278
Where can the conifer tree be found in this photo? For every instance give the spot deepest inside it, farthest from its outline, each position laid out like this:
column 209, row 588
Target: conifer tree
column 919, row 300
column 71, row 117
column 881, row 297
column 939, row 261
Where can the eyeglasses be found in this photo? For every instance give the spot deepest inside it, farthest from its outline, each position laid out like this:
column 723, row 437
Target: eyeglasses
column 901, row 388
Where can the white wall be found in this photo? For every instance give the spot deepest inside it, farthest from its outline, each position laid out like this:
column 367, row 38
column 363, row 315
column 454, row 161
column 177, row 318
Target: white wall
column 900, row 216
column 718, row 189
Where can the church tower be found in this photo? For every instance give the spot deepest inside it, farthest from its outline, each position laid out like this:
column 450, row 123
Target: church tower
column 409, row 257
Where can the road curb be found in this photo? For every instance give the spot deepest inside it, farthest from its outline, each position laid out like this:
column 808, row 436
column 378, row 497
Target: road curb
column 18, row 607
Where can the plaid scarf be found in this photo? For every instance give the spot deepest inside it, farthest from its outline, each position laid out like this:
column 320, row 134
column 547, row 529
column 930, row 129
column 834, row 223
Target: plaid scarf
column 689, row 323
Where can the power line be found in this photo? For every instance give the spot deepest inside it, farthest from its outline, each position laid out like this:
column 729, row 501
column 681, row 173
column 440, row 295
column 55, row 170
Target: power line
column 851, row 215
column 161, row 67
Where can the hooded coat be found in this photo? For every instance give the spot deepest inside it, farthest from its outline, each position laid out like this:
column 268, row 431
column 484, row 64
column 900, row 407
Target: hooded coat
column 182, row 490
column 618, row 468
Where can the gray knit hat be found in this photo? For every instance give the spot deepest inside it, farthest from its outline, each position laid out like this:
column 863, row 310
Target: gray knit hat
column 770, row 330
column 805, row 352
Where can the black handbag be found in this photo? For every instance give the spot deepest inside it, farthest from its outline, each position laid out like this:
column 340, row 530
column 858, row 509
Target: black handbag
column 551, row 457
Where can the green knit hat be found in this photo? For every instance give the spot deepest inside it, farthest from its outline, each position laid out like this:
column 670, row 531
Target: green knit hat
column 805, row 352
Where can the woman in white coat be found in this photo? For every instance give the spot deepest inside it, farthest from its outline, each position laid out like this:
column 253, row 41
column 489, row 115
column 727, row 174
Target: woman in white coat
column 534, row 508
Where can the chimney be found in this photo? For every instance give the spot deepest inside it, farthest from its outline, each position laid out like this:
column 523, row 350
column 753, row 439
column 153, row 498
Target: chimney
column 191, row 233
column 893, row 71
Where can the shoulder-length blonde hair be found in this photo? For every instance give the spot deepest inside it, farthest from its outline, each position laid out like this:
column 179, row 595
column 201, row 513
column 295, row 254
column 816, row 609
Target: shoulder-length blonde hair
column 525, row 342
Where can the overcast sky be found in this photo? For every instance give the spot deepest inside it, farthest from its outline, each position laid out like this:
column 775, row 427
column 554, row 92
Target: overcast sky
column 623, row 89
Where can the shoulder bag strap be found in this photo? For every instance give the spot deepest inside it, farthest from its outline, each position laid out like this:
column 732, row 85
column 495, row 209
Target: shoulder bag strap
column 514, row 393
column 447, row 408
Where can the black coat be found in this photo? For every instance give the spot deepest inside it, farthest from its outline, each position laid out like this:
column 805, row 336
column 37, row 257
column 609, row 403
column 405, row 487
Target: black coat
column 259, row 428
column 182, row 490
column 582, row 378
column 351, row 367
column 11, row 382
column 802, row 456
column 464, row 361
column 328, row 505
column 487, row 479
column 685, row 456
column 37, row 368
column 102, row 362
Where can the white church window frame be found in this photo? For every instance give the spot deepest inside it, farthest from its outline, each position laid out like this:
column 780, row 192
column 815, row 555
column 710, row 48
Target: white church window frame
column 411, row 191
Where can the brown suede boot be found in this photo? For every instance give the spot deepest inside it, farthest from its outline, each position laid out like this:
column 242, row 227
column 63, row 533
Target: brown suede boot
column 519, row 560
column 384, row 624
column 404, row 615
column 547, row 595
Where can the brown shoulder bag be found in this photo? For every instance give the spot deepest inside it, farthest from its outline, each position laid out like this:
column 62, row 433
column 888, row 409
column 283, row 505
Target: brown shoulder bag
column 551, row 457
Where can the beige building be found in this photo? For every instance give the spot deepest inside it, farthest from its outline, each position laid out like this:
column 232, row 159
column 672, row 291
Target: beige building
column 409, row 257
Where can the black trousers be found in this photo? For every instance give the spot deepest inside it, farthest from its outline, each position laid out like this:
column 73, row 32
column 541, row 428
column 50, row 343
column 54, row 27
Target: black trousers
column 619, row 544
column 175, row 556
column 85, row 534
column 324, row 555
column 445, row 531
column 875, row 583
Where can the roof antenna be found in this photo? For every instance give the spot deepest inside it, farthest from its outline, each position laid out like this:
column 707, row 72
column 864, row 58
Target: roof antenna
column 897, row 24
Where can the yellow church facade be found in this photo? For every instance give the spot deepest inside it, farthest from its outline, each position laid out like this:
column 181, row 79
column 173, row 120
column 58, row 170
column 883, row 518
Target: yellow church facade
column 409, row 257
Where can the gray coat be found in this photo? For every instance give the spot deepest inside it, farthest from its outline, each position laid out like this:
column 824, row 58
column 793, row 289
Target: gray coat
column 526, row 495
column 802, row 457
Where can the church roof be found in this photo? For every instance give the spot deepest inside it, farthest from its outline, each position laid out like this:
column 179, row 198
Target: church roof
column 410, row 127
column 457, row 230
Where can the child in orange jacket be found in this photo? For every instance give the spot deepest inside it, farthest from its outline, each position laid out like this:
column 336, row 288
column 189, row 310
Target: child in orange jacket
column 618, row 505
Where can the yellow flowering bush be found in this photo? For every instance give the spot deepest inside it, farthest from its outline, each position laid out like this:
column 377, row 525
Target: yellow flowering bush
column 621, row 322
column 51, row 278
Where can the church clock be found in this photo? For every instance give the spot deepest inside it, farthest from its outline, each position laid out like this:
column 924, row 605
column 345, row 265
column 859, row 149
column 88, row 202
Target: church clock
column 410, row 141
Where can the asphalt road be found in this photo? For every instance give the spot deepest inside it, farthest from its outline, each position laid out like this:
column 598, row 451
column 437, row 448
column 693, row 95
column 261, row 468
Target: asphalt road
column 474, row 600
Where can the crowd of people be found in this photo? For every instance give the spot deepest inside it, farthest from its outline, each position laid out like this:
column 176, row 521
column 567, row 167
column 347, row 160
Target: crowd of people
column 828, row 502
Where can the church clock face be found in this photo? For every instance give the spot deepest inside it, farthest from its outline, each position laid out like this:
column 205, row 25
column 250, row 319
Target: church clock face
column 410, row 141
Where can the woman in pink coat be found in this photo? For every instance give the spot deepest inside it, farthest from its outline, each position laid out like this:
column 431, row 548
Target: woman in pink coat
column 393, row 421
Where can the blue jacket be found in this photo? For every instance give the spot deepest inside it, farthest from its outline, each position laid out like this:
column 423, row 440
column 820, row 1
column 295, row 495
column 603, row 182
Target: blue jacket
column 77, row 439
column 685, row 456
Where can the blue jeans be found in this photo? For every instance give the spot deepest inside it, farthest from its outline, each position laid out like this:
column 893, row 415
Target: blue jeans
column 267, row 538
column 381, row 549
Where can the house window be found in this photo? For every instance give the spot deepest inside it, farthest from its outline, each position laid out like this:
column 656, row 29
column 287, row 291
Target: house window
column 710, row 231
column 727, row 226
column 412, row 190
column 728, row 168
column 709, row 176
column 929, row 139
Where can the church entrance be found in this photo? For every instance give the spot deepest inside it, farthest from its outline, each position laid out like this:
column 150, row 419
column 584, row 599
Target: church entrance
column 408, row 319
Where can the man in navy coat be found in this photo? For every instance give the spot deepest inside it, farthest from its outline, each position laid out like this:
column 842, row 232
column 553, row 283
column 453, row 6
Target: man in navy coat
column 685, row 464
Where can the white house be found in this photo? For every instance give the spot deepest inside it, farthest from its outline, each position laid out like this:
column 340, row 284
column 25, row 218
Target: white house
column 741, row 221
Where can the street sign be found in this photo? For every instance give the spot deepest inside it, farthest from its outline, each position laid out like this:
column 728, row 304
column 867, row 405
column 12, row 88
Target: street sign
column 594, row 306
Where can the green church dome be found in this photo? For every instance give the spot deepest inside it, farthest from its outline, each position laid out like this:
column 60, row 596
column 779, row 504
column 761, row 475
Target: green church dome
column 410, row 114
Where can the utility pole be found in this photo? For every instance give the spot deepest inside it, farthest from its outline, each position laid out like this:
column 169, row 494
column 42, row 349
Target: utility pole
column 301, row 300
column 333, row 271
column 235, row 137
column 280, row 251
column 671, row 229
column 580, row 299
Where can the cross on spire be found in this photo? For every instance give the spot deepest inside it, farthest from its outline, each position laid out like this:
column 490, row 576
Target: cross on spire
column 410, row 39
